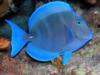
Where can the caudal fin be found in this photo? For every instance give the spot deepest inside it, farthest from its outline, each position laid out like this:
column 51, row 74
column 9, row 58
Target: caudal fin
column 18, row 38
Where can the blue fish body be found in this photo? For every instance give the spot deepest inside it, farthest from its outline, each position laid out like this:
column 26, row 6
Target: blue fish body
column 55, row 29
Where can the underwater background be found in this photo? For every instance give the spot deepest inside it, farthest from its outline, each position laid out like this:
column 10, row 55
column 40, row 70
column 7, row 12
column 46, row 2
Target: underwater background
column 85, row 61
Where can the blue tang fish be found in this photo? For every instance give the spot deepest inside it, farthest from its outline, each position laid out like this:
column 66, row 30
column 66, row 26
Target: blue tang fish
column 55, row 29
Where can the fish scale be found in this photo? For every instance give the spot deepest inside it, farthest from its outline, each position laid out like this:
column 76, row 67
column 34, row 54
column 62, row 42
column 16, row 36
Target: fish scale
column 54, row 31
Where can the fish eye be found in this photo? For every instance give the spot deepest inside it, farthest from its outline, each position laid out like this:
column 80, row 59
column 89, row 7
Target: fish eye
column 78, row 22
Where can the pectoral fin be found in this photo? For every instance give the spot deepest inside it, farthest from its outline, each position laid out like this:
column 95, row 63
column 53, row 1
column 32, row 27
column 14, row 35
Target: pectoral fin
column 66, row 57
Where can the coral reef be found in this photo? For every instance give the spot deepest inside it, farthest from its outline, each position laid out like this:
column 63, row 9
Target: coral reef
column 91, row 1
column 4, row 6
column 4, row 43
